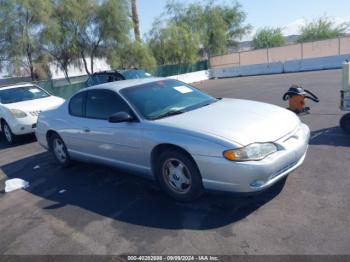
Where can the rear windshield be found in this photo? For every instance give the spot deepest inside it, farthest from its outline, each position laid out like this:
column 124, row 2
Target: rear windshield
column 19, row 94
column 135, row 74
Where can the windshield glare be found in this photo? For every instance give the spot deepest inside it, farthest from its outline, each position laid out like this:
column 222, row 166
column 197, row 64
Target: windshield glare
column 156, row 99
column 19, row 94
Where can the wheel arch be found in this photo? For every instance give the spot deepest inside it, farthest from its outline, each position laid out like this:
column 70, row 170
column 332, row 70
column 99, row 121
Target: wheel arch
column 2, row 121
column 49, row 133
column 160, row 148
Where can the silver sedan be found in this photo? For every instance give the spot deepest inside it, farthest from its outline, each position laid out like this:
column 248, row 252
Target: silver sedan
column 172, row 132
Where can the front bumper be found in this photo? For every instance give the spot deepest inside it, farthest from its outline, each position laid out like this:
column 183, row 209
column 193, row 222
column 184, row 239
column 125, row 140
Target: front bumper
column 22, row 126
column 220, row 174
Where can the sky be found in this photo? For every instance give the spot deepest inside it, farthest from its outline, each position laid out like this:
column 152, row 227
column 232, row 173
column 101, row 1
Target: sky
column 288, row 14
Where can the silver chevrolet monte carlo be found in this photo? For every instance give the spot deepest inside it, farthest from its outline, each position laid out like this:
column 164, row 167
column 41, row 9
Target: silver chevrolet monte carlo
column 172, row 132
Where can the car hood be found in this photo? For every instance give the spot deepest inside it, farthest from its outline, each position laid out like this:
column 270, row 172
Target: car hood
column 240, row 121
column 41, row 104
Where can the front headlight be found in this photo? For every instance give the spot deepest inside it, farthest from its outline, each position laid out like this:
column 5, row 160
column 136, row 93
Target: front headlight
column 18, row 113
column 252, row 152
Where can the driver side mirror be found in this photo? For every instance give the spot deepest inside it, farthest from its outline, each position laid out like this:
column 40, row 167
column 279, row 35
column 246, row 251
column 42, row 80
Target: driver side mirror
column 120, row 117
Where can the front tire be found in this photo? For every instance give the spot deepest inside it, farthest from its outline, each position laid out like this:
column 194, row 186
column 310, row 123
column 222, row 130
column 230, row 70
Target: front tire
column 8, row 135
column 59, row 150
column 345, row 123
column 179, row 176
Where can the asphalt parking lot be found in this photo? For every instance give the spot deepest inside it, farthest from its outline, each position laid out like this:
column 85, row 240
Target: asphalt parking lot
column 104, row 211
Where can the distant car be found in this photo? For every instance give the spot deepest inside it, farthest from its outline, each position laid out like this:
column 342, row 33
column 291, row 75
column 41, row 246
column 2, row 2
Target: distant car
column 178, row 135
column 115, row 75
column 20, row 106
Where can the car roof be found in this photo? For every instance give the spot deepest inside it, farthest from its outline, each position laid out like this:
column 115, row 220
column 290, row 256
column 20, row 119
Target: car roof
column 15, row 85
column 116, row 71
column 130, row 70
column 118, row 85
column 106, row 72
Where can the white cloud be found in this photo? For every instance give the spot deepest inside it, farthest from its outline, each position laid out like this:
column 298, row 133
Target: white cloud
column 293, row 28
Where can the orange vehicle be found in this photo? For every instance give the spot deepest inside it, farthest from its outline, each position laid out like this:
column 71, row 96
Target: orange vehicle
column 296, row 96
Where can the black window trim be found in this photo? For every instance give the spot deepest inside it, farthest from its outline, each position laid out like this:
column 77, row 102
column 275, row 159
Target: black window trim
column 116, row 95
column 84, row 93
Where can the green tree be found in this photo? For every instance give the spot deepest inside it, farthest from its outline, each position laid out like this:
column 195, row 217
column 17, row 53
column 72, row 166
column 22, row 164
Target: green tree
column 320, row 29
column 42, row 67
column 268, row 37
column 133, row 55
column 218, row 25
column 5, row 30
column 59, row 40
column 97, row 25
column 174, row 44
column 26, row 20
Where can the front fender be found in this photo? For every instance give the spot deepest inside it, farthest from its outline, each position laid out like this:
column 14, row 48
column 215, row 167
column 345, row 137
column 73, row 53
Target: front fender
column 194, row 144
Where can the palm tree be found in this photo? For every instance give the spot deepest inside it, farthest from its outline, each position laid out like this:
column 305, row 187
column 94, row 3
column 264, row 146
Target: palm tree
column 135, row 20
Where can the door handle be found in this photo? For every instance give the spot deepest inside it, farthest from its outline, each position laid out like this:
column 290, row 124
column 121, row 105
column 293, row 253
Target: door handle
column 86, row 129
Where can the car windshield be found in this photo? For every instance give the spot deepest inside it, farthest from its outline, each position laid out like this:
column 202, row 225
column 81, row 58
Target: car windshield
column 135, row 74
column 165, row 98
column 19, row 94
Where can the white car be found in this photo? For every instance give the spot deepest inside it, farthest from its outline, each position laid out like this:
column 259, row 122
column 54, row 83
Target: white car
column 20, row 106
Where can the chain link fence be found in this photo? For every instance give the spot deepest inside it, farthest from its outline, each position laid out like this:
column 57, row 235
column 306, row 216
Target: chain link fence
column 171, row 70
column 65, row 89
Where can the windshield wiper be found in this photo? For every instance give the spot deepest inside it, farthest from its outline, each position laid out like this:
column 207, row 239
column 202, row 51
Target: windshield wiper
column 169, row 113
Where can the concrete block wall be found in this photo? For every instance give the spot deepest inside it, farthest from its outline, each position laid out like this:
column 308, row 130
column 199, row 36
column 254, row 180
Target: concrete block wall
column 319, row 55
column 225, row 60
column 344, row 45
column 321, row 49
column 320, row 63
column 254, row 57
column 325, row 48
column 285, row 53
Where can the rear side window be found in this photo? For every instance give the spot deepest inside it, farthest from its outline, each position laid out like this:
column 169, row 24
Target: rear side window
column 97, row 79
column 90, row 81
column 76, row 105
column 101, row 104
column 115, row 77
column 101, row 79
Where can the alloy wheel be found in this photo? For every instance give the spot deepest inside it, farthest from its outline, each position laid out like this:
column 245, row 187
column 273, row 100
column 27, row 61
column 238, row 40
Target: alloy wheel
column 177, row 176
column 59, row 150
column 8, row 134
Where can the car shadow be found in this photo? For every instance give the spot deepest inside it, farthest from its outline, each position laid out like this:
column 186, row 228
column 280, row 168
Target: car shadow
column 128, row 198
column 332, row 136
column 20, row 140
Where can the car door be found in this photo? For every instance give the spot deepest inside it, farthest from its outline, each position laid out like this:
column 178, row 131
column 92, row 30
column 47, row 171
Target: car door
column 72, row 131
column 114, row 143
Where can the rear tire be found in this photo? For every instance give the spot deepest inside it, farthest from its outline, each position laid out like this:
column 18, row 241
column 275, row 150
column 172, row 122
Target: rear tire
column 8, row 135
column 178, row 176
column 59, row 150
column 345, row 123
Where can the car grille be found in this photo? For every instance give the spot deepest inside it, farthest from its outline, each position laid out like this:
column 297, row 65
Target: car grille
column 34, row 113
